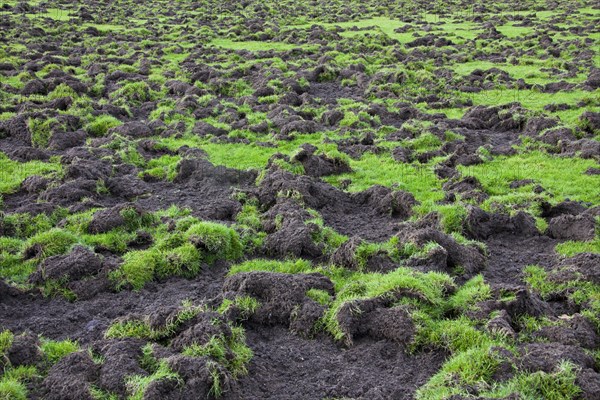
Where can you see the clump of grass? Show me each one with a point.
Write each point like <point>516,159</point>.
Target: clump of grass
<point>52,242</point>
<point>40,131</point>
<point>245,305</point>
<point>179,254</point>
<point>12,381</point>
<point>469,294</point>
<point>134,93</point>
<point>287,267</point>
<point>54,351</point>
<point>556,385</point>
<point>12,173</point>
<point>163,168</point>
<point>6,341</point>
<point>230,352</point>
<point>320,296</point>
<point>141,329</point>
<point>101,124</point>
<point>217,240</point>
<point>137,384</point>
<point>12,389</point>
<point>476,365</point>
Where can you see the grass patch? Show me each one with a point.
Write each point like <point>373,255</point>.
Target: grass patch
<point>12,173</point>
<point>563,177</point>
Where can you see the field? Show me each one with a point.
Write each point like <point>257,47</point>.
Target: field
<point>380,199</point>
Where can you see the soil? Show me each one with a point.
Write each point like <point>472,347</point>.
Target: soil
<point>259,124</point>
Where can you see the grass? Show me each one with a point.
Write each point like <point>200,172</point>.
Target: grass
<point>137,384</point>
<point>253,46</point>
<point>40,131</point>
<point>141,329</point>
<point>373,169</point>
<point>231,352</point>
<point>54,351</point>
<point>101,124</point>
<point>179,254</point>
<point>562,177</point>
<point>559,384</point>
<point>172,46</point>
<point>53,242</point>
<point>571,248</point>
<point>12,173</point>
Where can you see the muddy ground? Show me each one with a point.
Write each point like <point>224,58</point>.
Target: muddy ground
<point>299,200</point>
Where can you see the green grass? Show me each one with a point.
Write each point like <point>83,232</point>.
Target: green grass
<point>101,124</point>
<point>141,329</point>
<point>562,177</point>
<point>54,351</point>
<point>231,352</point>
<point>556,385</point>
<point>252,45</point>
<point>373,169</point>
<point>137,384</point>
<point>12,173</point>
<point>52,242</point>
<point>571,248</point>
<point>179,254</point>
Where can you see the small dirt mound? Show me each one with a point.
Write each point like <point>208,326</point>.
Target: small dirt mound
<point>373,318</point>
<point>24,350</point>
<point>572,227</point>
<point>121,359</point>
<point>78,264</point>
<point>469,258</point>
<point>71,378</point>
<point>282,297</point>
<point>288,231</point>
<point>111,218</point>
<point>480,224</point>
<point>547,356</point>
<point>203,328</point>
<point>320,165</point>
<point>574,331</point>
<point>198,378</point>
